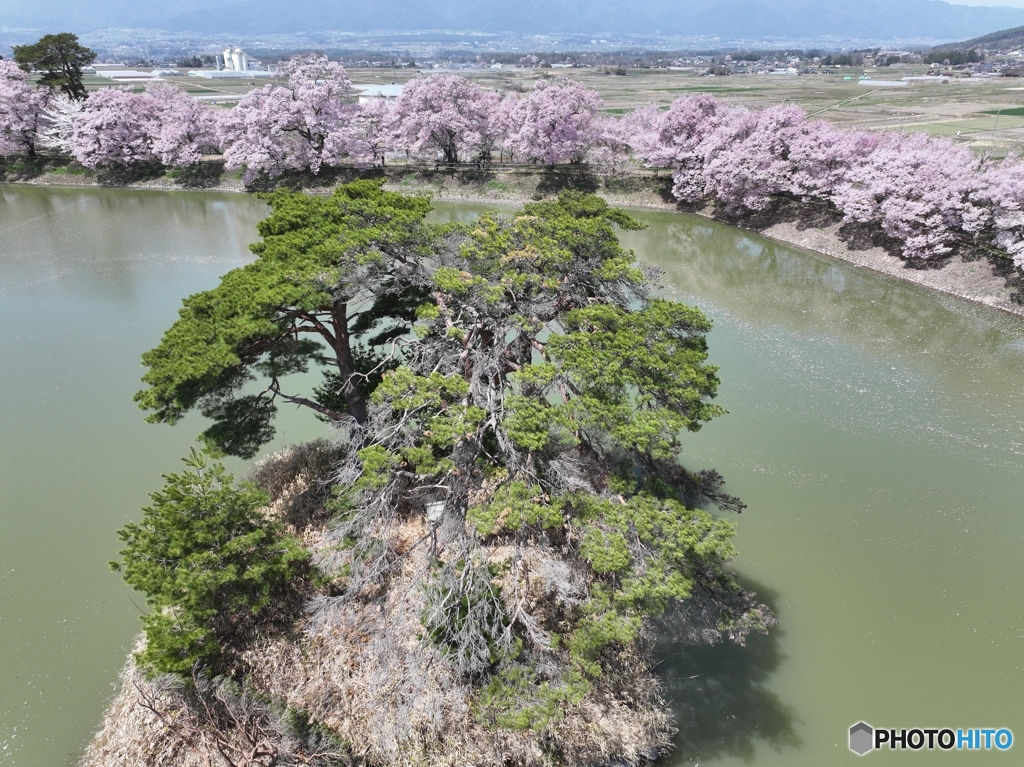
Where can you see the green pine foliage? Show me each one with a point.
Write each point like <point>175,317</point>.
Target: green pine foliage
<point>60,58</point>
<point>329,289</point>
<point>211,567</point>
<point>516,699</point>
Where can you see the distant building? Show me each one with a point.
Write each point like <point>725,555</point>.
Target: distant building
<point>126,75</point>
<point>369,93</point>
<point>237,60</point>
<point>234,64</point>
<point>227,74</point>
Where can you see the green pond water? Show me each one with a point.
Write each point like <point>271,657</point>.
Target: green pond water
<point>875,430</point>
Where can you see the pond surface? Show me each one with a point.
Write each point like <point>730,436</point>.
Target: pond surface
<point>875,431</point>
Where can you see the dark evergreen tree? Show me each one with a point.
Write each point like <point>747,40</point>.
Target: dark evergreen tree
<point>60,58</point>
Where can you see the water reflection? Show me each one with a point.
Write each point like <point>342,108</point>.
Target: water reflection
<point>92,243</point>
<point>720,699</point>
<point>759,282</point>
<point>89,279</point>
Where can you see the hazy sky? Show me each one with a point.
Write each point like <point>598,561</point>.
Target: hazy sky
<point>861,19</point>
<point>1008,3</point>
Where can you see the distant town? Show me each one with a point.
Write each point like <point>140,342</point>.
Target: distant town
<point>234,62</point>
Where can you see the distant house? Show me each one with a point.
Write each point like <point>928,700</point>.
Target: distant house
<point>882,83</point>
<point>368,93</point>
<point>228,74</point>
<point>126,75</point>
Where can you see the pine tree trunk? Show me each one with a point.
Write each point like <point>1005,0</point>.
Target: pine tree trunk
<point>346,365</point>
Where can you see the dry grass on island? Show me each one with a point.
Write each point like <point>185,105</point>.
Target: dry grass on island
<point>361,670</point>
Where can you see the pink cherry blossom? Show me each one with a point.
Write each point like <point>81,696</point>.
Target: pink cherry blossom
<point>555,123</point>
<point>1003,197</point>
<point>113,128</point>
<point>822,155</point>
<point>182,129</point>
<point>21,110</point>
<point>609,152</point>
<point>445,117</point>
<point>927,194</point>
<point>367,136</point>
<point>746,158</point>
<point>642,130</point>
<point>919,189</point>
<point>681,139</point>
<point>287,126</point>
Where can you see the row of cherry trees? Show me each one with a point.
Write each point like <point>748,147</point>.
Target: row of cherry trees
<point>926,193</point>
<point>307,120</point>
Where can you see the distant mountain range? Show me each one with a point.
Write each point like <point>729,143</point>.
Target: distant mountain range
<point>1004,39</point>
<point>726,19</point>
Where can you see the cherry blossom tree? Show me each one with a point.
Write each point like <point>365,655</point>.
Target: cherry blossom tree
<point>641,129</point>
<point>822,155</point>
<point>609,151</point>
<point>746,159</point>
<point>366,136</point>
<point>919,189</point>
<point>322,97</point>
<point>556,122</point>
<point>506,119</point>
<point>286,127</point>
<point>21,110</point>
<point>682,139</point>
<point>182,128</point>
<point>254,134</point>
<point>113,128</point>
<point>1002,195</point>
<point>445,117</point>
<point>926,193</point>
<point>59,120</point>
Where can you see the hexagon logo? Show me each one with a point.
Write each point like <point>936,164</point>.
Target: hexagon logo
<point>862,738</point>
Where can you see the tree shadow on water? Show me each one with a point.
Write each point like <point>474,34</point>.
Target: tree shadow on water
<point>720,700</point>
